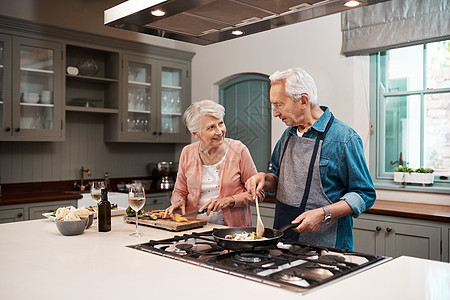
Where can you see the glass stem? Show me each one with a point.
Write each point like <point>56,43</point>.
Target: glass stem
<point>136,223</point>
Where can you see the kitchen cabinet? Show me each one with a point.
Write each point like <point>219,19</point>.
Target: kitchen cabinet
<point>91,79</point>
<point>30,79</point>
<point>267,211</point>
<point>154,97</point>
<point>157,200</point>
<point>397,236</point>
<point>31,211</point>
<point>11,215</point>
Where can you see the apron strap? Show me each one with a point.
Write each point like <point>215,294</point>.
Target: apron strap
<point>320,137</point>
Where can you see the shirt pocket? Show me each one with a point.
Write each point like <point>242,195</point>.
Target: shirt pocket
<point>323,166</point>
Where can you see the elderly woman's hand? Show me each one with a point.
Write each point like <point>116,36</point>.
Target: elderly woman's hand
<point>180,204</point>
<point>217,204</point>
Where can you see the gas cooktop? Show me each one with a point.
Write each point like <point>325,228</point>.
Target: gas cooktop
<point>289,265</point>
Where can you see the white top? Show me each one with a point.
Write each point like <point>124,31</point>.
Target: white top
<point>38,263</point>
<point>210,190</point>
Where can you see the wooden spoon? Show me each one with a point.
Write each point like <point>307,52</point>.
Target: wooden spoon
<point>259,222</point>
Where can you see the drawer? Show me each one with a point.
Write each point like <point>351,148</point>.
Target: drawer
<point>12,215</point>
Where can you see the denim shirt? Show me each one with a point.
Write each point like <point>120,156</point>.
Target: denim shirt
<point>343,170</point>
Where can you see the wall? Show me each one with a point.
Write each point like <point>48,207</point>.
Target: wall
<point>343,83</point>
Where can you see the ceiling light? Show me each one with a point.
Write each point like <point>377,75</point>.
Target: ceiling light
<point>158,13</point>
<point>237,32</point>
<point>352,3</point>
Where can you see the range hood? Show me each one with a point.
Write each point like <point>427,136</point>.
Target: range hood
<point>205,22</point>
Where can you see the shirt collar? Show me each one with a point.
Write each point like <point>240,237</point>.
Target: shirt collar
<point>319,125</point>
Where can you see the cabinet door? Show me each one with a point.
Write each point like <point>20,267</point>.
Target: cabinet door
<point>11,215</point>
<point>369,236</point>
<point>139,111</point>
<point>5,86</point>
<point>267,211</point>
<point>413,240</point>
<point>173,94</point>
<point>37,105</point>
<point>35,211</point>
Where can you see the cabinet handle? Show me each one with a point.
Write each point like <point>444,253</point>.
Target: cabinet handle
<point>378,228</point>
<point>154,132</point>
<point>17,129</point>
<point>19,215</point>
<point>154,201</point>
<point>388,229</point>
<point>8,129</point>
<point>159,133</point>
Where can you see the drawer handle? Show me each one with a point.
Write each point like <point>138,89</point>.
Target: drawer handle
<point>378,228</point>
<point>154,201</point>
<point>388,229</point>
<point>19,215</point>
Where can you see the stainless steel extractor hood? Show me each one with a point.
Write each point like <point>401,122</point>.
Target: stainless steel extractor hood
<point>206,22</point>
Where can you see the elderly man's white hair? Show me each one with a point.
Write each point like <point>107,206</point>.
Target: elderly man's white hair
<point>194,114</point>
<point>297,82</point>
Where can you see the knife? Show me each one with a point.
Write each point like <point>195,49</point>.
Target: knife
<point>195,213</point>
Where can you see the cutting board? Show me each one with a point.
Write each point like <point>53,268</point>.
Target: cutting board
<point>168,224</point>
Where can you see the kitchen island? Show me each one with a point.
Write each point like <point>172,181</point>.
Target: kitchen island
<point>37,262</point>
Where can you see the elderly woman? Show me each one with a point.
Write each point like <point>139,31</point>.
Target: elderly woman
<point>212,172</point>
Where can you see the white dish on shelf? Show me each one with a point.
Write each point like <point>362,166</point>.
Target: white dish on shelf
<point>30,97</point>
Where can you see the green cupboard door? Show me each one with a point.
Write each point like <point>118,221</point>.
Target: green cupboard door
<point>247,114</point>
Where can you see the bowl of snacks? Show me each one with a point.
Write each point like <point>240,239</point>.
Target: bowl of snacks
<point>71,220</point>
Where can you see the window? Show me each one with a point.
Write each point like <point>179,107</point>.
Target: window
<point>411,109</point>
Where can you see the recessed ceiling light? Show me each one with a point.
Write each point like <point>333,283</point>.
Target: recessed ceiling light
<point>352,3</point>
<point>237,32</point>
<point>158,13</point>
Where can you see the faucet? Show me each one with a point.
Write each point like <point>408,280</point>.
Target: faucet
<point>83,186</point>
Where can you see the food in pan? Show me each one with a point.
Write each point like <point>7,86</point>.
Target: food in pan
<point>244,236</point>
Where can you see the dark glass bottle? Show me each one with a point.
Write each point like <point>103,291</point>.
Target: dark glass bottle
<point>104,213</point>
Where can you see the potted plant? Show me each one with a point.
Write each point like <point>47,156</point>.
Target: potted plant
<point>408,175</point>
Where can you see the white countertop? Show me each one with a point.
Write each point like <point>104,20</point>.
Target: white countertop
<point>37,262</point>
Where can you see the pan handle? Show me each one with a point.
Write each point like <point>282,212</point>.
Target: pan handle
<point>286,227</point>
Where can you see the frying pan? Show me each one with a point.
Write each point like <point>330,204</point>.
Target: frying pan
<point>272,237</point>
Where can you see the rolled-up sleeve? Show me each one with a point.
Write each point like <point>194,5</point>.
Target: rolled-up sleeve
<point>361,193</point>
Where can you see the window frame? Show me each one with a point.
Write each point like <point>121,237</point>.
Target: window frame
<point>384,180</point>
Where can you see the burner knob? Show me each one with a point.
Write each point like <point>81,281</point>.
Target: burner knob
<point>388,229</point>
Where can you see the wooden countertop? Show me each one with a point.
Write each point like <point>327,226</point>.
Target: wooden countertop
<point>31,197</point>
<point>422,211</point>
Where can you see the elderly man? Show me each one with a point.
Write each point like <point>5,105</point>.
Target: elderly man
<point>318,170</point>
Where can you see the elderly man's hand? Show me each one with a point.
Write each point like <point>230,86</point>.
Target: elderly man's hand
<point>255,185</point>
<point>309,221</point>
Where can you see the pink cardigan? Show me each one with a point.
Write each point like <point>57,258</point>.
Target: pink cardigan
<point>233,171</point>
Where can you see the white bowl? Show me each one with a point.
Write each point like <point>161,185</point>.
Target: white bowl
<point>30,97</point>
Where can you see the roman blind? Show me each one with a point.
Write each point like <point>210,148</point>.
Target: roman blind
<point>395,23</point>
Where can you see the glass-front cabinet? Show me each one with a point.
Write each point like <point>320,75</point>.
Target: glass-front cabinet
<point>5,86</point>
<point>154,99</point>
<point>31,102</point>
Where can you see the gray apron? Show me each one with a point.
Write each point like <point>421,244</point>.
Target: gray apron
<point>300,188</point>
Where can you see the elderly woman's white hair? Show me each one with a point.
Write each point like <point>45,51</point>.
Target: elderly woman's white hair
<point>194,114</point>
<point>297,82</point>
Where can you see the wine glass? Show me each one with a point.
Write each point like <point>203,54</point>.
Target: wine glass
<point>136,200</point>
<point>96,190</point>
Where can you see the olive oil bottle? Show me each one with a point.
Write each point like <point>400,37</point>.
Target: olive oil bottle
<point>104,213</point>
